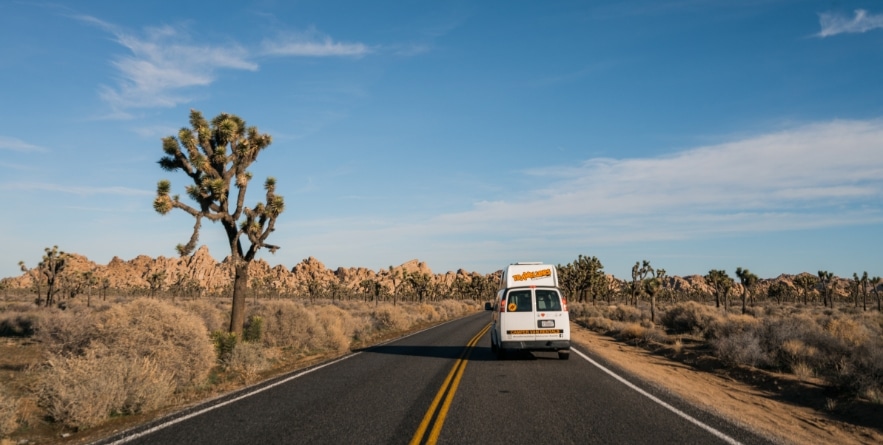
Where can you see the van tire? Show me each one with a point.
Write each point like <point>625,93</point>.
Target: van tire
<point>563,355</point>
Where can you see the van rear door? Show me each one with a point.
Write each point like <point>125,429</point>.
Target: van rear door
<point>551,320</point>
<point>519,320</point>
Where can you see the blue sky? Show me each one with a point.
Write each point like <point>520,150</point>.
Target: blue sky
<point>695,134</point>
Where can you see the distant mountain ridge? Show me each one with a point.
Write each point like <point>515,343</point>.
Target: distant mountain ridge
<point>202,271</point>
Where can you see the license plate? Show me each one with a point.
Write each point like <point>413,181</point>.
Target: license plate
<point>546,324</point>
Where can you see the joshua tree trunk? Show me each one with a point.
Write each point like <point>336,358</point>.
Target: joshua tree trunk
<point>240,284</point>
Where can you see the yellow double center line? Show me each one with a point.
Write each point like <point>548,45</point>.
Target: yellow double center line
<point>447,391</point>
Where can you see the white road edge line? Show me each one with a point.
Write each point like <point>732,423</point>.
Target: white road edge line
<point>260,390</point>
<point>686,416</point>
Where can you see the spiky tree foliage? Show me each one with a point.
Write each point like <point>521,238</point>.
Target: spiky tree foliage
<point>652,286</point>
<point>582,277</point>
<point>875,284</point>
<point>49,268</point>
<point>825,279</point>
<point>722,283</point>
<point>640,272</point>
<point>806,282</point>
<point>748,280</point>
<point>421,285</point>
<point>861,286</point>
<point>216,156</point>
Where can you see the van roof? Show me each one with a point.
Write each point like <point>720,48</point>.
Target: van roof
<point>525,274</point>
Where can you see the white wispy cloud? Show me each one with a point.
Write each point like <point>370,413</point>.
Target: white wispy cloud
<point>834,23</point>
<point>73,189</point>
<point>163,64</point>
<point>816,176</point>
<point>15,144</point>
<point>311,43</point>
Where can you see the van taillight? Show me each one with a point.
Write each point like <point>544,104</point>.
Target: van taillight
<point>502,305</point>
<point>564,303</point>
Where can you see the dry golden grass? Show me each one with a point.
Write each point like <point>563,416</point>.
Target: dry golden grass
<point>9,415</point>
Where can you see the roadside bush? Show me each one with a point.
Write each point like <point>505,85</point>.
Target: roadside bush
<point>598,324</point>
<point>213,317</point>
<point>253,329</point>
<point>83,391</point>
<point>390,318</point>
<point>335,329</point>
<point>739,347</point>
<point>287,324</point>
<point>730,325</point>
<point>626,314</point>
<point>688,317</point>
<point>176,340</point>
<point>428,312</point>
<point>638,332</point>
<point>248,360</point>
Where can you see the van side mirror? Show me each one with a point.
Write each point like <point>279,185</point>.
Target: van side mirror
<point>488,306</point>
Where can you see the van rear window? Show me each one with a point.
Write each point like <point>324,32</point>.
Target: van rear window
<point>519,301</point>
<point>547,300</point>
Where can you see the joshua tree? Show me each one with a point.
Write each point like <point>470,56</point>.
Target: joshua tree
<point>50,268</point>
<point>875,283</point>
<point>722,283</point>
<point>825,278</point>
<point>805,282</point>
<point>748,280</point>
<point>216,156</point>
<point>861,287</point>
<point>652,286</point>
<point>639,273</point>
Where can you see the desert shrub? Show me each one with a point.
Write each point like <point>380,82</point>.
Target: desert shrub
<point>213,317</point>
<point>739,348</point>
<point>721,327</point>
<point>853,333</point>
<point>18,324</point>
<point>428,312</point>
<point>688,317</point>
<point>66,332</point>
<point>448,309</point>
<point>253,329</point>
<point>782,337</point>
<point>638,332</point>
<point>626,314</point>
<point>598,324</point>
<point>248,360</point>
<point>83,391</point>
<point>390,318</point>
<point>176,341</point>
<point>794,353</point>
<point>585,310</point>
<point>287,324</point>
<point>8,413</point>
<point>335,329</point>
<point>224,343</point>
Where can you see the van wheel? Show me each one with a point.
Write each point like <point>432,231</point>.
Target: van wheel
<point>563,355</point>
<point>501,353</point>
<point>493,347</point>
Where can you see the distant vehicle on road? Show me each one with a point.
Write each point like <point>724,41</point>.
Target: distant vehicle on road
<point>529,312</point>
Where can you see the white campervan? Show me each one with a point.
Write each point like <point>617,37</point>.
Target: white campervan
<point>529,312</point>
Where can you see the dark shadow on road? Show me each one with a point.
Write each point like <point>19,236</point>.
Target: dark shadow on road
<point>479,353</point>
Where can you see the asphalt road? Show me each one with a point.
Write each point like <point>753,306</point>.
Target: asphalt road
<point>445,384</point>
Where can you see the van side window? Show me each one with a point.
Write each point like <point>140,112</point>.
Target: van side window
<point>547,300</point>
<point>519,301</point>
